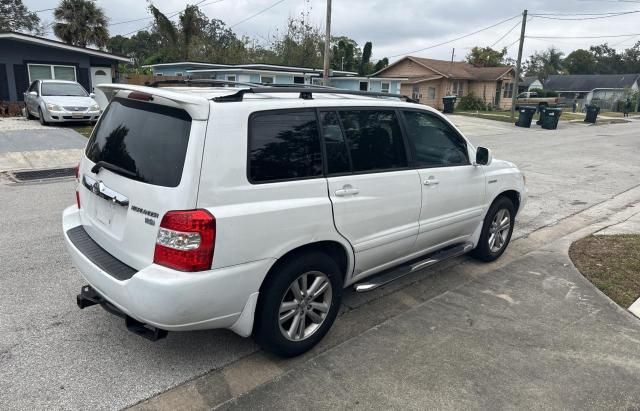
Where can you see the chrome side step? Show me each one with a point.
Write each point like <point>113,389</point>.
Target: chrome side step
<point>389,276</point>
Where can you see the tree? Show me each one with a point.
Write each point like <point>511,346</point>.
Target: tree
<point>580,62</point>
<point>381,64</point>
<point>486,57</point>
<point>343,56</point>
<point>631,59</point>
<point>608,61</point>
<point>81,23</point>
<point>14,16</point>
<point>545,63</point>
<point>365,59</point>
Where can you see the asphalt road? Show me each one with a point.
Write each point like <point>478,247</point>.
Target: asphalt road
<point>54,356</point>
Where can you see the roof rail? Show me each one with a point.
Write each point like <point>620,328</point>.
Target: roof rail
<point>200,82</point>
<point>296,85</point>
<point>306,93</point>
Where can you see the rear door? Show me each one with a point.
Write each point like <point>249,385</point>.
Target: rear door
<point>453,189</point>
<point>142,160</point>
<point>375,196</point>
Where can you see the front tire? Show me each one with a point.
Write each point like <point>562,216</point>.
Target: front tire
<point>496,230</point>
<point>298,304</point>
<point>42,120</point>
<point>28,114</point>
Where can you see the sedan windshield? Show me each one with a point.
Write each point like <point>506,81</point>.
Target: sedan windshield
<point>63,89</point>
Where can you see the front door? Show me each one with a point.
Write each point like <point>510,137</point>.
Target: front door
<point>375,196</point>
<point>452,188</point>
<point>498,93</point>
<point>100,75</point>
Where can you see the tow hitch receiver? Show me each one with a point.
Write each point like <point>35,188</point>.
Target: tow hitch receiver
<point>89,296</point>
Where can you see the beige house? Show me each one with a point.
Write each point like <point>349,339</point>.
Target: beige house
<point>429,80</point>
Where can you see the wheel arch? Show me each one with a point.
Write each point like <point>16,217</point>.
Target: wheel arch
<point>340,253</point>
<point>512,195</point>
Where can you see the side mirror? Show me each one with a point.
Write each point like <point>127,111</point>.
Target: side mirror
<point>33,93</point>
<point>483,156</point>
<point>92,95</point>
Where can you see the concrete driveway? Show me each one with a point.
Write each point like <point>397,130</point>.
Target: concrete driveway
<point>53,355</point>
<point>25,144</point>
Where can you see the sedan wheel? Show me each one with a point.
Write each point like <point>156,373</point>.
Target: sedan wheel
<point>305,305</point>
<point>42,120</point>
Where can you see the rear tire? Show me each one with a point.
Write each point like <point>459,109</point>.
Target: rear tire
<point>496,235</point>
<point>293,314</point>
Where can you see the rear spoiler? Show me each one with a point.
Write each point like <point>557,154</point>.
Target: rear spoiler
<point>197,107</point>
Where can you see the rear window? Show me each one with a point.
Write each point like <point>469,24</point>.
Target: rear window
<point>284,146</point>
<point>145,139</point>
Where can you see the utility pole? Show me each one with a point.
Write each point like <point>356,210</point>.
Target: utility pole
<point>518,66</point>
<point>327,46</point>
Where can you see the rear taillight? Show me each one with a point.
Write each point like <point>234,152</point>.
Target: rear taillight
<point>186,240</point>
<point>77,198</point>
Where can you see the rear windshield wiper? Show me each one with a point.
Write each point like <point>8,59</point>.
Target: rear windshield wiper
<point>112,167</point>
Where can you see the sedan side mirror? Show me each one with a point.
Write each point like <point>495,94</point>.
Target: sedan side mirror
<point>33,93</point>
<point>483,156</point>
<point>92,95</point>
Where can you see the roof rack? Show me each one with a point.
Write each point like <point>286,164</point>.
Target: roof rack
<point>200,82</point>
<point>306,93</point>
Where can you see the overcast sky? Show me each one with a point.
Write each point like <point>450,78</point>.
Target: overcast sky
<point>404,26</point>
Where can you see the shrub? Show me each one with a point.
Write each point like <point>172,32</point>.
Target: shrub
<point>471,103</point>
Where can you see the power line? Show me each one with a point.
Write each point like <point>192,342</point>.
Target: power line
<point>586,18</point>
<point>458,38</point>
<point>258,13</point>
<point>505,34</point>
<point>584,37</point>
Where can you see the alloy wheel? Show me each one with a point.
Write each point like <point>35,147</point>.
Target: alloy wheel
<point>499,230</point>
<point>305,305</point>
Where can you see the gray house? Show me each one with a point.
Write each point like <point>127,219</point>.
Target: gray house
<point>25,58</point>
<point>605,89</point>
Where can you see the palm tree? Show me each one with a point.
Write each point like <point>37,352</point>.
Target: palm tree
<point>81,23</point>
<point>179,38</point>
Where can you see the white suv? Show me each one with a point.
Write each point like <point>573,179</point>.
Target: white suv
<point>251,208</point>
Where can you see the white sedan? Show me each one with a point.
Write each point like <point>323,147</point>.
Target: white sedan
<point>55,101</point>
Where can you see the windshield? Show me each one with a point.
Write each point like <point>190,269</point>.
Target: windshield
<point>147,142</point>
<point>63,89</point>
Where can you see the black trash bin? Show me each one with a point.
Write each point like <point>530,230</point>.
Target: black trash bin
<point>592,113</point>
<point>449,103</point>
<point>549,118</point>
<point>526,116</point>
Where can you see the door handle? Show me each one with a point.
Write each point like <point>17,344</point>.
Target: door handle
<point>431,181</point>
<point>347,190</point>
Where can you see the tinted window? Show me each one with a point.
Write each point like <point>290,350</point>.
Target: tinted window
<point>336,147</point>
<point>374,139</point>
<point>148,140</point>
<point>435,143</point>
<point>284,145</point>
<point>63,89</point>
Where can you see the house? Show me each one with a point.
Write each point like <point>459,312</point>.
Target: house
<point>25,58</point>
<point>529,83</point>
<point>605,89</point>
<point>276,74</point>
<point>429,80</point>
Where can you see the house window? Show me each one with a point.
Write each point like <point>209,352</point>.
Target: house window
<point>508,90</point>
<point>458,88</point>
<point>51,72</point>
<point>364,86</point>
<point>231,77</point>
<point>415,93</point>
<point>178,74</point>
<point>159,74</point>
<point>385,87</point>
<point>267,79</point>
<point>431,93</point>
<point>298,80</point>
<point>100,73</point>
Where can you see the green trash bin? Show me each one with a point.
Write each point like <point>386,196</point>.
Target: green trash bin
<point>449,103</point>
<point>592,113</point>
<point>526,116</point>
<point>550,117</point>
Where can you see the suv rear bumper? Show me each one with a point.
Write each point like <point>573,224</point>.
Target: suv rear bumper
<point>175,300</point>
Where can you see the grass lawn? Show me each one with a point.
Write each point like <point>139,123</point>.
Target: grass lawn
<point>611,263</point>
<point>506,116</point>
<point>83,128</point>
